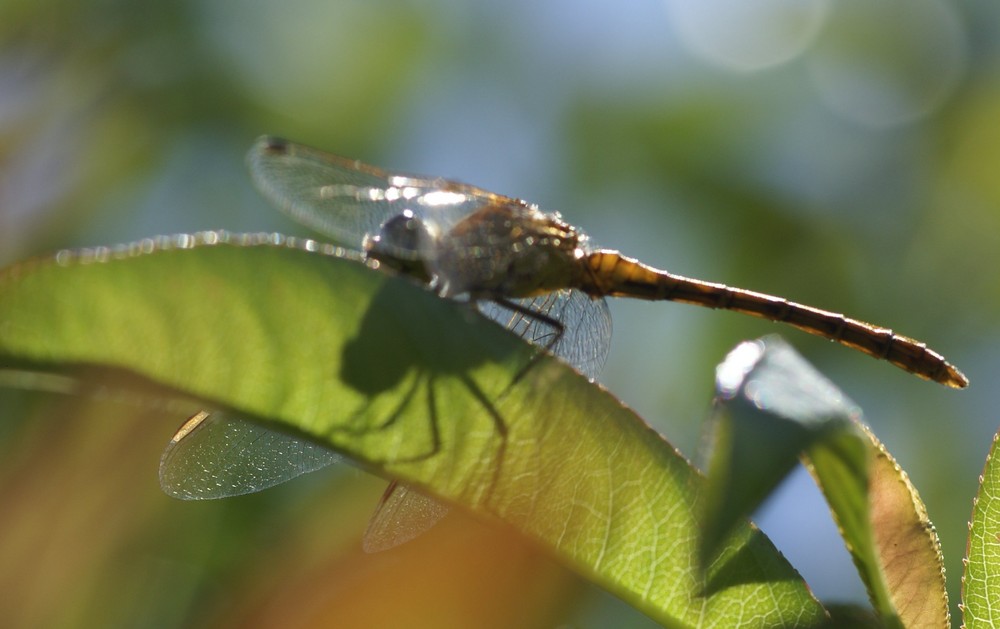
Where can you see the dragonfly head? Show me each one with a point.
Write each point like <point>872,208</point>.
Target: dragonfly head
<point>402,244</point>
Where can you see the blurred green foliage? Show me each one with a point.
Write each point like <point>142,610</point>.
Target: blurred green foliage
<point>858,175</point>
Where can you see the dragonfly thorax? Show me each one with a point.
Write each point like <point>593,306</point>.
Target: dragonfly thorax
<point>509,250</point>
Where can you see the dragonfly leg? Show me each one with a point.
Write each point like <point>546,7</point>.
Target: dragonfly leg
<point>558,331</point>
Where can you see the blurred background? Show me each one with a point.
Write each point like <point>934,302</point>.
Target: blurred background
<point>843,155</point>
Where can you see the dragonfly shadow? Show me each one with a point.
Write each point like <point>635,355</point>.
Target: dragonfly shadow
<point>407,352</point>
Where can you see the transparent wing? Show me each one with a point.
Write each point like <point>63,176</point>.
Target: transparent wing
<point>347,200</point>
<point>586,334</point>
<point>217,455</point>
<point>401,515</point>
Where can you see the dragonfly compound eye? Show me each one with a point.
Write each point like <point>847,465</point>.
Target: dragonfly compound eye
<point>401,243</point>
<point>403,234</point>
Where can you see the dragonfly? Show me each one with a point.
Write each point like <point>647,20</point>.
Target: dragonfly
<point>525,268</point>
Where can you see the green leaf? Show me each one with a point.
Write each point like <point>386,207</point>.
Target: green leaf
<point>412,387</point>
<point>981,581</point>
<point>774,408</point>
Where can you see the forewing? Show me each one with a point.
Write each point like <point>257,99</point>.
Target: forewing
<point>217,455</point>
<point>347,200</point>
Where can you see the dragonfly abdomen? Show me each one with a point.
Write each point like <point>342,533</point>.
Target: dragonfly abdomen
<point>610,273</point>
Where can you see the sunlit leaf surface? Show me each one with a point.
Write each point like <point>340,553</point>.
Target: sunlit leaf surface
<point>981,581</point>
<point>410,386</point>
